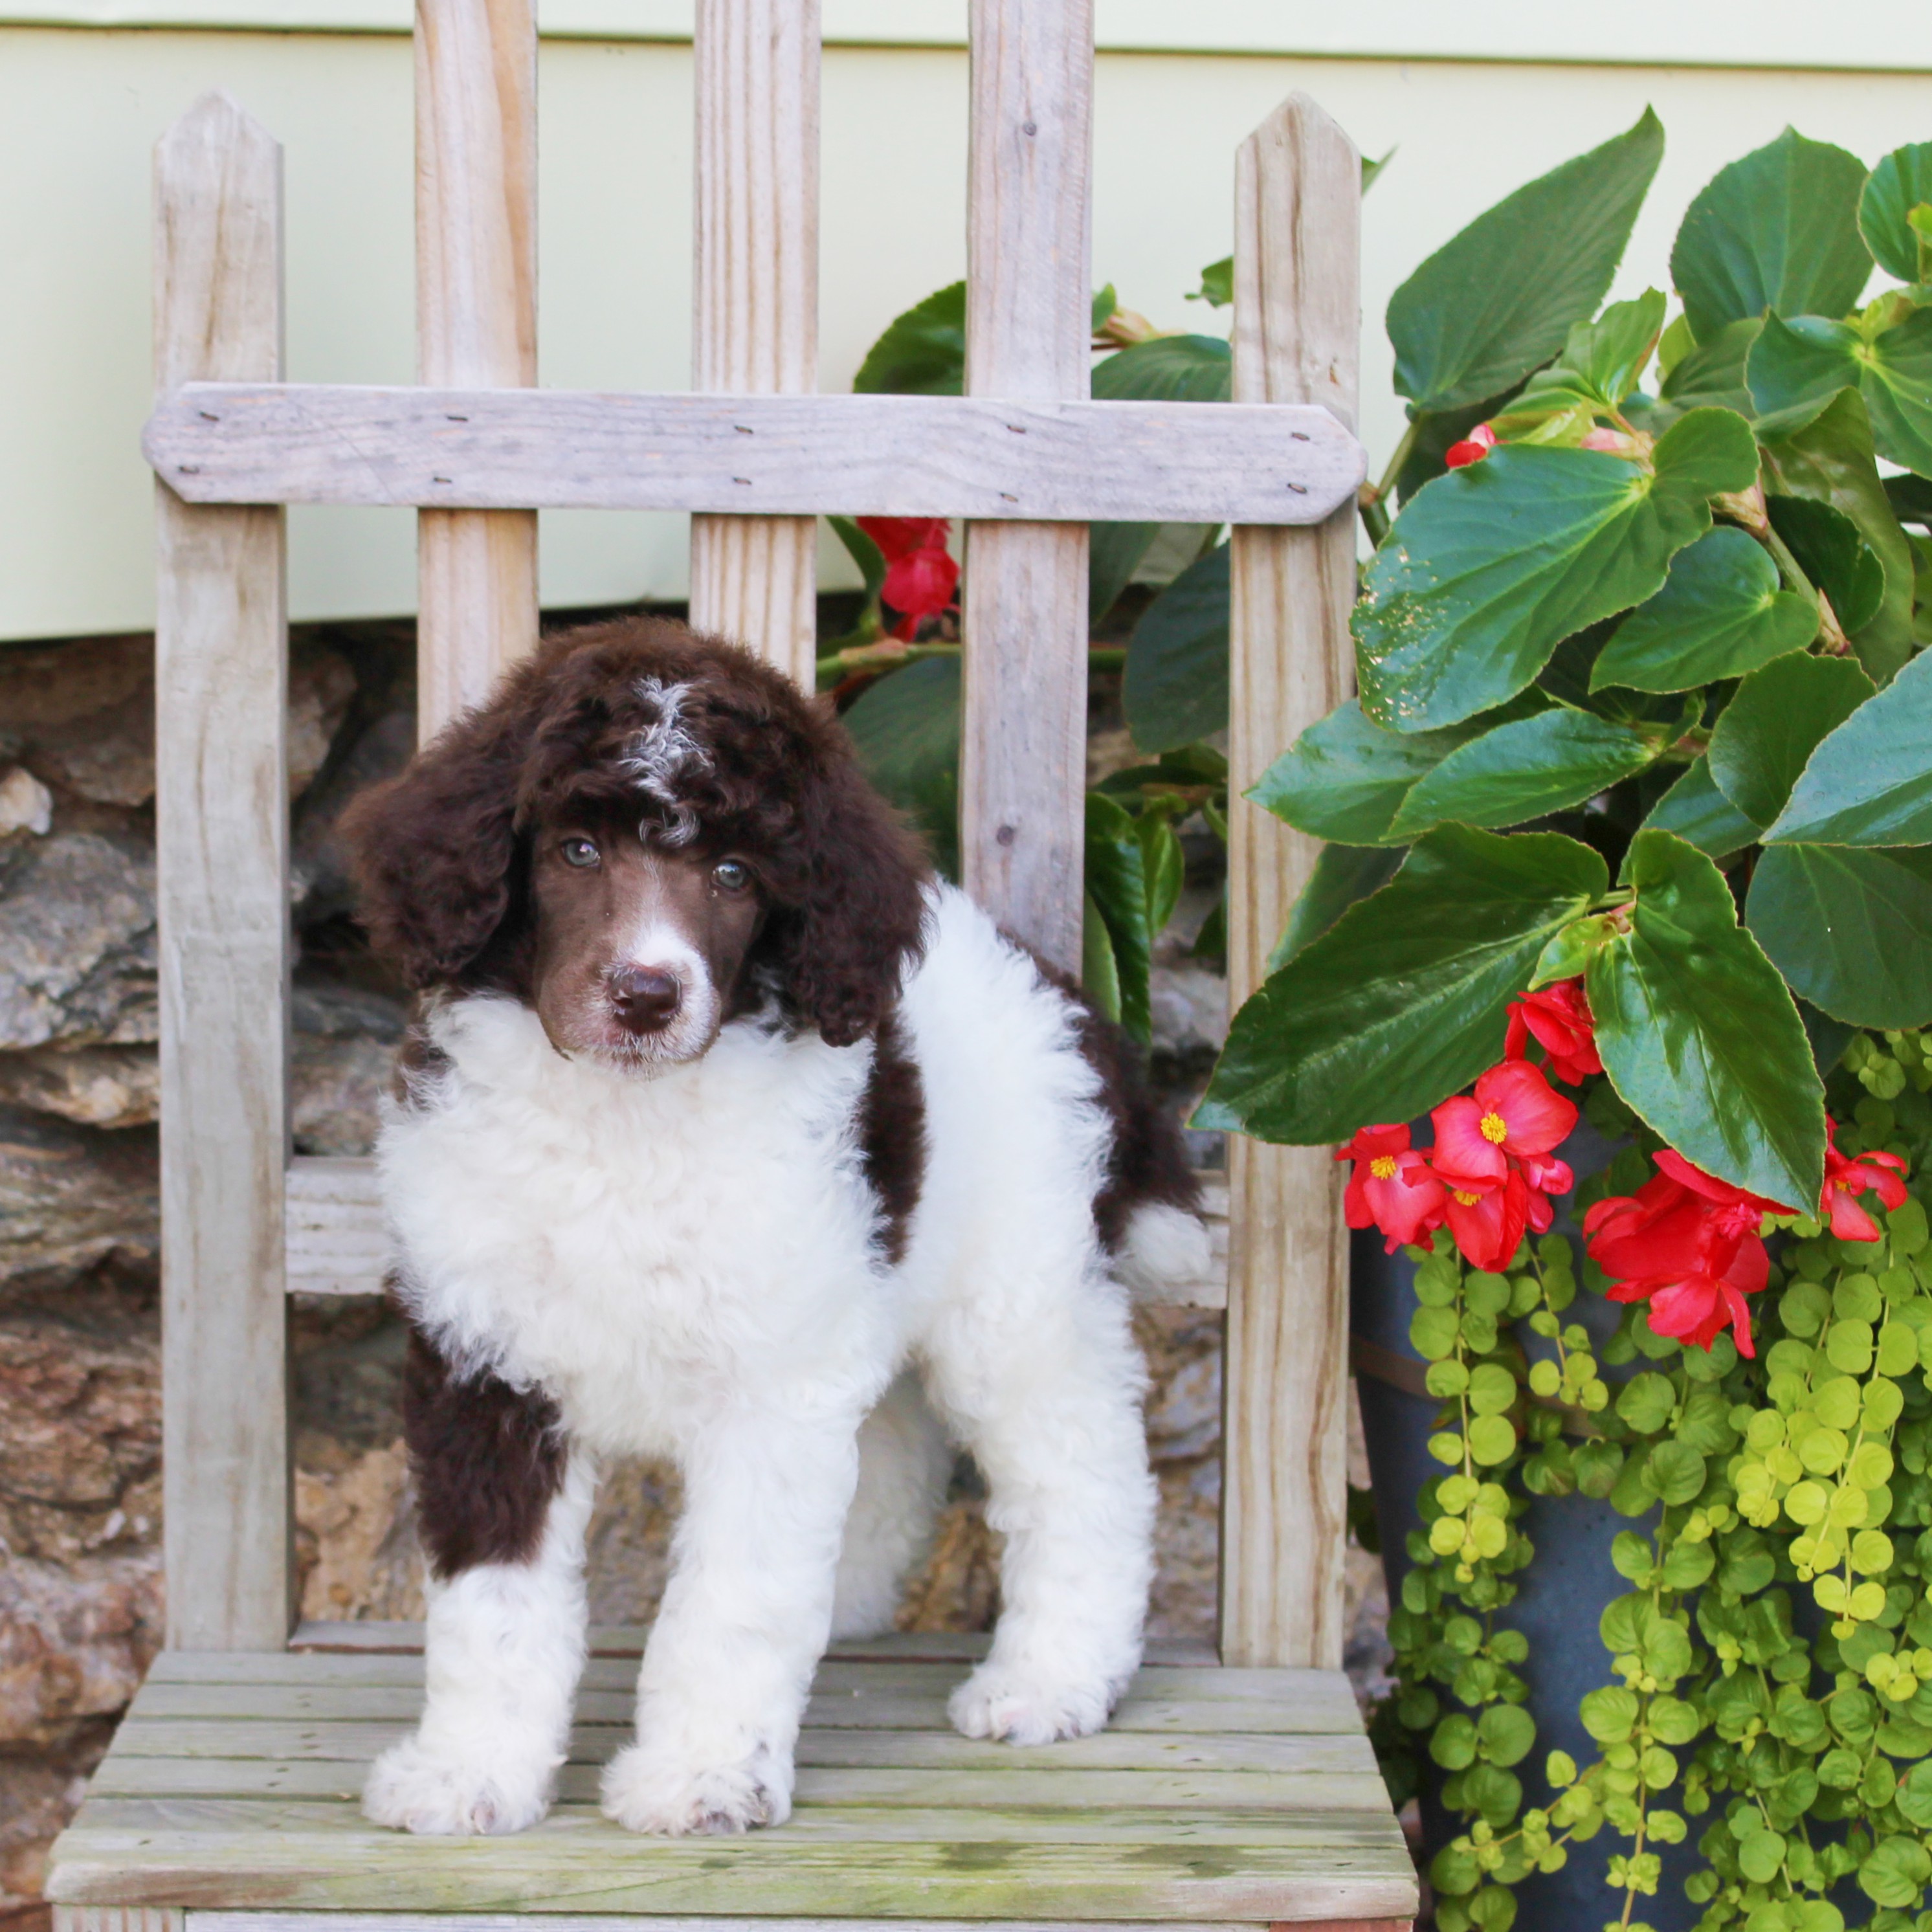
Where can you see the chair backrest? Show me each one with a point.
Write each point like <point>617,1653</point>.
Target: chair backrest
<point>1024,456</point>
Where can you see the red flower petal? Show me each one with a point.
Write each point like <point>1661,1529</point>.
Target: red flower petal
<point>1463,1154</point>
<point>1488,1227</point>
<point>921,583</point>
<point>899,536</point>
<point>1535,1117</point>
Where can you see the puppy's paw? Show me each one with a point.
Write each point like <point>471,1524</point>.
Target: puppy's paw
<point>415,1789</point>
<point>647,1788</point>
<point>1020,1706</point>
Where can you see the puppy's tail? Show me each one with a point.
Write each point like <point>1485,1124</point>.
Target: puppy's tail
<point>1163,1249</point>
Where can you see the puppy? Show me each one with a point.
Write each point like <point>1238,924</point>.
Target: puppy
<point>727,1134</point>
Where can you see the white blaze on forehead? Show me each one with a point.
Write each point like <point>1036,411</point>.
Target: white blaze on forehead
<point>662,752</point>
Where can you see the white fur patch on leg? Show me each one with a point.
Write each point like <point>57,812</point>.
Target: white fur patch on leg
<point>903,1462</point>
<point>1164,1248</point>
<point>504,1645</point>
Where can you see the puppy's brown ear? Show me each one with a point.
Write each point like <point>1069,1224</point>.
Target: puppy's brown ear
<point>432,851</point>
<point>845,948</point>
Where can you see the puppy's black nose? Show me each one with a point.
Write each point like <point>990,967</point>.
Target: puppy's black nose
<point>645,998</point>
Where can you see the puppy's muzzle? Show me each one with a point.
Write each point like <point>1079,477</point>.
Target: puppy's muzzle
<point>645,999</point>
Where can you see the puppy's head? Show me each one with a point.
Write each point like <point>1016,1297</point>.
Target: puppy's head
<point>643,834</point>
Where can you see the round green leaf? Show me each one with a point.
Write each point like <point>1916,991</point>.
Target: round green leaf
<point>1344,778</point>
<point>1491,1389</point>
<point>1777,719</point>
<point>1499,299</point>
<point>1676,1472</point>
<point>1697,811</point>
<point>1776,230</point>
<point>1523,770</point>
<point>1851,930</point>
<point>1453,1745</point>
<point>1869,782</point>
<point>1404,999</point>
<point>1894,1872</point>
<point>1175,689</point>
<point>1506,1733</point>
<point>1698,1033</point>
<point>1899,183</point>
<point>1492,1440</point>
<point>1609,1713</point>
<point>1432,1332</point>
<point>1490,568</point>
<point>1914,1796</point>
<point>1720,614</point>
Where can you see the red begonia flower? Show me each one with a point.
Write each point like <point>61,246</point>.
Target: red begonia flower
<point>1845,1178</point>
<point>1488,1224</point>
<point>899,536</point>
<point>1693,1306</point>
<point>1514,1118</point>
<point>919,584</point>
<point>1390,1187</point>
<point>1472,449</point>
<point>1558,1019</point>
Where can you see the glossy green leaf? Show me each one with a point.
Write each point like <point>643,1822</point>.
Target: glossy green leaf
<point>1099,971</point>
<point>1773,724</point>
<point>1163,869</point>
<point>1167,369</point>
<point>1113,553</point>
<point>1116,883</point>
<point>1490,567</point>
<point>1869,783</point>
<point>1712,375</point>
<point>922,352</point>
<point>1778,230</point>
<point>1721,613</point>
<point>1899,183</point>
<point>906,729</point>
<point>1830,461</point>
<point>1343,875</point>
<point>1851,930</point>
<point>1610,354</point>
<point>1498,300</point>
<point>1217,282</point>
<point>1697,811</point>
<point>1404,999</point>
<point>1698,1034</point>
<point>1176,686</point>
<point>1833,555</point>
<point>1524,770</point>
<point>1797,367</point>
<point>1344,778</point>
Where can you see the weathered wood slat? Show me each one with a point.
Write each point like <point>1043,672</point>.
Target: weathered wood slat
<point>1296,326</point>
<point>222,838</point>
<point>476,326</point>
<point>804,455</point>
<point>577,1861</point>
<point>755,294</point>
<point>337,1243</point>
<point>1023,735</point>
<point>484,1921</point>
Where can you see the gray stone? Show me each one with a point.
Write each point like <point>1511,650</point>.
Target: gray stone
<point>76,943</point>
<point>72,1197</point>
<point>96,1086</point>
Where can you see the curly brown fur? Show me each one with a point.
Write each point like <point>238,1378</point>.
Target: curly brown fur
<point>892,1136</point>
<point>487,1460</point>
<point>441,854</point>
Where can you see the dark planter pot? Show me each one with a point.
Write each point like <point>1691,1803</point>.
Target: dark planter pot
<point>1560,1596</point>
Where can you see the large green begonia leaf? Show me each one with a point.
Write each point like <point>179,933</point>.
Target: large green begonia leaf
<point>1869,782</point>
<point>1777,230</point>
<point>906,729</point>
<point>1343,875</point>
<point>1524,770</point>
<point>1405,998</point>
<point>921,352</point>
<point>1899,183</point>
<point>1712,375</point>
<point>1830,461</point>
<point>1490,567</point>
<point>1175,689</point>
<point>1498,300</point>
<point>1774,723</point>
<point>1851,930</point>
<point>1721,613</point>
<point>1167,369</point>
<point>1797,367</point>
<point>1833,555</point>
<point>1701,815</point>
<point>1698,1034</point>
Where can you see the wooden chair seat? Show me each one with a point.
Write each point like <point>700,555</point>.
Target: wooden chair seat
<point>1216,1796</point>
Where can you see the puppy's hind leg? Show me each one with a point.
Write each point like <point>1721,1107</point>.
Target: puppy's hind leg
<point>1050,1406</point>
<point>905,1460</point>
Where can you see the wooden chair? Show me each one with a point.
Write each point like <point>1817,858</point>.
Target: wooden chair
<point>1231,1788</point>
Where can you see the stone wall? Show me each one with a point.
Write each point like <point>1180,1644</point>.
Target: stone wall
<point>80,1592</point>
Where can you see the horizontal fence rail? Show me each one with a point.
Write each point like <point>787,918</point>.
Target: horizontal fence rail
<point>906,456</point>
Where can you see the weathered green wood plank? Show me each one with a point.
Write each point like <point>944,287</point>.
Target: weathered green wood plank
<point>358,1742</point>
<point>576,1862</point>
<point>1326,1789</point>
<point>857,1707</point>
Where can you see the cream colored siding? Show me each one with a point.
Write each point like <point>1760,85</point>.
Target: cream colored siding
<point>81,106</point>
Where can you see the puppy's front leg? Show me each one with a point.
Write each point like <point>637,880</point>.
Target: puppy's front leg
<point>502,1505</point>
<point>744,1620</point>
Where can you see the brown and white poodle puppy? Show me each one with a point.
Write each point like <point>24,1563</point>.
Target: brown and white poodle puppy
<point>728,1135</point>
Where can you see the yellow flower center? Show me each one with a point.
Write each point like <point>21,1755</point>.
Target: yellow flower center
<point>1496,1128</point>
<point>1467,1200</point>
<point>1383,1167</point>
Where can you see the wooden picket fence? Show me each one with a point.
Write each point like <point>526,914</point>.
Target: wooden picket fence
<point>1025,457</point>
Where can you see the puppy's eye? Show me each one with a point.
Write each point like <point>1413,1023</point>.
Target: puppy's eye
<point>730,876</point>
<point>578,852</point>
